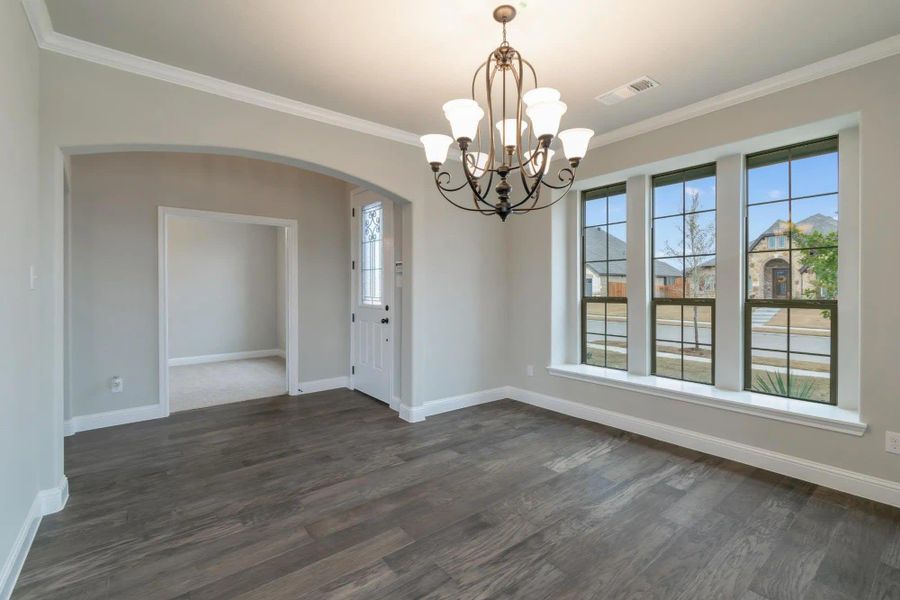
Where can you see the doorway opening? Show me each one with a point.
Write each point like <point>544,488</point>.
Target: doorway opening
<point>227,330</point>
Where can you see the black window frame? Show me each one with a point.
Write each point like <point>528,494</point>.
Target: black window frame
<point>688,174</point>
<point>830,305</point>
<point>586,196</point>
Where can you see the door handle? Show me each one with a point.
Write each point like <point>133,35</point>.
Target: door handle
<point>385,321</point>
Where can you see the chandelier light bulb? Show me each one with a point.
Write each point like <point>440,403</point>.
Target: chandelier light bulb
<point>541,94</point>
<point>464,115</point>
<point>545,117</point>
<point>436,147</point>
<point>531,168</point>
<point>507,129</point>
<point>477,163</point>
<point>575,142</point>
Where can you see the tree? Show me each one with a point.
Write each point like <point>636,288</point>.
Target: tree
<point>699,239</point>
<point>821,260</point>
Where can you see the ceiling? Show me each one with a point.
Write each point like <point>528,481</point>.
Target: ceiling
<point>396,61</point>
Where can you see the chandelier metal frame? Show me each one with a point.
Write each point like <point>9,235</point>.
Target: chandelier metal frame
<point>489,157</point>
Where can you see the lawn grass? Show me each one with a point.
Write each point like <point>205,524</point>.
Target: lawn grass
<point>804,365</point>
<point>701,372</point>
<point>810,318</point>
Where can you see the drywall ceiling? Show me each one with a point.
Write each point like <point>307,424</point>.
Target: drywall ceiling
<point>395,62</point>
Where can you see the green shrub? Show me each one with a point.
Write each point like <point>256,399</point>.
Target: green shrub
<point>777,384</point>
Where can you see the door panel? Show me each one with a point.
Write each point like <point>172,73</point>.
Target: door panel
<point>780,281</point>
<point>373,285</point>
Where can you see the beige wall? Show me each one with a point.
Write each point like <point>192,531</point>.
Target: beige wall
<point>222,287</point>
<point>25,417</point>
<point>873,92</point>
<point>465,301</point>
<point>114,261</point>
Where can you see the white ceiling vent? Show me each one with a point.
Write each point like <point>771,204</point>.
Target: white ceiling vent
<point>632,88</point>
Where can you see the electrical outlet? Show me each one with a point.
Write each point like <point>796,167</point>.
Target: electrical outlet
<point>892,442</point>
<point>116,384</point>
<point>529,370</point>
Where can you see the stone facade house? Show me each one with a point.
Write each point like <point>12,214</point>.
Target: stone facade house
<point>769,270</point>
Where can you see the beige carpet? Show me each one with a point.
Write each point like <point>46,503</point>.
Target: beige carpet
<point>197,386</point>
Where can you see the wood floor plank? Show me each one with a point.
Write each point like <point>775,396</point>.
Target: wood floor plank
<point>851,562</point>
<point>795,561</point>
<point>330,495</point>
<point>329,568</point>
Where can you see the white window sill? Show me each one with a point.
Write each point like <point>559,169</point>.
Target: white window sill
<point>811,414</point>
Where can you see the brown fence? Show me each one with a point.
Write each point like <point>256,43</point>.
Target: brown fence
<point>675,290</point>
<point>618,289</point>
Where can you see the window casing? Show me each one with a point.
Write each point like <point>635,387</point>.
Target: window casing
<point>683,274</point>
<point>604,303</point>
<point>790,311</point>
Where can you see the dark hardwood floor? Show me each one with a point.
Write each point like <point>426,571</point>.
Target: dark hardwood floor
<point>330,495</point>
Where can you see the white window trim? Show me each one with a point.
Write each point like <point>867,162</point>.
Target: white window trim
<point>799,412</point>
<point>728,392</point>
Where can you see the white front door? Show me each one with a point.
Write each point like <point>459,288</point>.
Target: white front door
<point>373,290</point>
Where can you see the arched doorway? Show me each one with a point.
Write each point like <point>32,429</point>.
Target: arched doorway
<point>85,421</point>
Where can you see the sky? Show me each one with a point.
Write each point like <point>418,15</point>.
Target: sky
<point>769,187</point>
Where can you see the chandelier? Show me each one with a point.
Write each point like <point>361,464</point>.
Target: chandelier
<point>487,156</point>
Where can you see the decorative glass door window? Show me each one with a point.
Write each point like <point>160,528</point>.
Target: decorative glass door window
<point>371,269</point>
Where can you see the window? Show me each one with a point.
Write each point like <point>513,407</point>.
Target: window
<point>684,274</point>
<point>604,314</point>
<point>791,306</point>
<point>371,271</point>
<point>777,241</point>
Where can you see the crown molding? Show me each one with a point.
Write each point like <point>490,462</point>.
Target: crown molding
<point>48,39</point>
<point>817,70</point>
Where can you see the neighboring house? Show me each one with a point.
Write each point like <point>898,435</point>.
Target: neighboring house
<point>595,248</point>
<point>769,273</point>
<point>768,264</point>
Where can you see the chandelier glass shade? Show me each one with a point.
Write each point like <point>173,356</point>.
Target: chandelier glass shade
<point>514,142</point>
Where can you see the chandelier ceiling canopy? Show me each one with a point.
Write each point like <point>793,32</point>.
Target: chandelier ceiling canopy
<point>505,89</point>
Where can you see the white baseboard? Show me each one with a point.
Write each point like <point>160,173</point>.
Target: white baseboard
<point>12,566</point>
<point>213,358</point>
<point>415,414</point>
<point>45,502</point>
<point>321,385</point>
<point>54,499</point>
<point>156,411</point>
<point>409,413</point>
<point>851,482</point>
<point>113,417</point>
